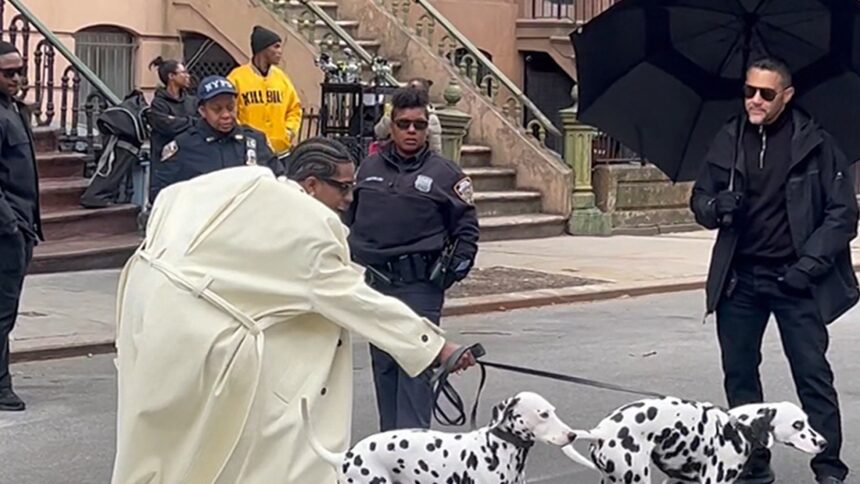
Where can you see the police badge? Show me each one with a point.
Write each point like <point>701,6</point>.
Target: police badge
<point>464,190</point>
<point>423,183</point>
<point>251,151</point>
<point>169,150</point>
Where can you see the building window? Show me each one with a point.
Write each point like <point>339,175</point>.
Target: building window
<point>110,53</point>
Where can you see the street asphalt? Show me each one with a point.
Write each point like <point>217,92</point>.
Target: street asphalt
<point>657,343</point>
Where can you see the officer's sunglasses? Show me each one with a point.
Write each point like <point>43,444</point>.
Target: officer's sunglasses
<point>10,73</point>
<point>404,124</point>
<point>344,187</point>
<point>767,93</point>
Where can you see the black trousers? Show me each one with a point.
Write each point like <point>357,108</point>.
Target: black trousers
<point>404,402</point>
<point>742,316</point>
<point>16,250</point>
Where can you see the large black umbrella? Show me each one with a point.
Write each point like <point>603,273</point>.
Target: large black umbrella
<point>662,76</point>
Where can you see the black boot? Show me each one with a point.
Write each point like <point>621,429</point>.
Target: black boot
<point>9,402</point>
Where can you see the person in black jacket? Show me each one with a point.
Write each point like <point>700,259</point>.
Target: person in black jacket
<point>173,110</point>
<point>785,225</point>
<point>216,142</point>
<point>414,227</point>
<point>20,223</point>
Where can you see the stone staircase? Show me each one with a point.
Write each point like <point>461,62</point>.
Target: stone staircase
<point>505,212</point>
<point>76,238</point>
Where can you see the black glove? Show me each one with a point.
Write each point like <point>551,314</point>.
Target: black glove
<point>794,281</point>
<point>727,203</point>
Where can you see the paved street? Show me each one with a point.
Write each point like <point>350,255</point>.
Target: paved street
<point>656,343</point>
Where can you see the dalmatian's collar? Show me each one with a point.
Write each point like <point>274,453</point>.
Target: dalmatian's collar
<point>512,439</point>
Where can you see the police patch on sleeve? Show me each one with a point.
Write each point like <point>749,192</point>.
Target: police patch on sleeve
<point>169,150</point>
<point>464,190</point>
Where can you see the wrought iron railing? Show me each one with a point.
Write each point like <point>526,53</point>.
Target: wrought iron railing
<point>580,11</point>
<point>46,57</point>
<point>310,125</point>
<point>472,65</point>
<point>607,150</point>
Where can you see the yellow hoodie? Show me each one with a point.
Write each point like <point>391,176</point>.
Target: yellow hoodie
<point>268,103</point>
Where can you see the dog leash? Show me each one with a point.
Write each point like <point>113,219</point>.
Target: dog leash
<point>442,387</point>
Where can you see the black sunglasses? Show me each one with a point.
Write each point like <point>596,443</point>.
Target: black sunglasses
<point>767,93</point>
<point>10,73</point>
<point>344,187</point>
<point>419,124</point>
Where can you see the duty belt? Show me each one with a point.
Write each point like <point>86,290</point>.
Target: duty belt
<point>404,269</point>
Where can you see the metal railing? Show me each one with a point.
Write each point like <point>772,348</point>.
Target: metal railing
<point>39,88</point>
<point>580,11</point>
<point>607,150</point>
<point>472,65</point>
<point>330,43</point>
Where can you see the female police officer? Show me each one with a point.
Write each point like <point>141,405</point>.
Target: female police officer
<point>215,143</point>
<point>413,225</point>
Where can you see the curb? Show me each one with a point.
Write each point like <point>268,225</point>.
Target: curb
<point>73,350</point>
<point>581,294</point>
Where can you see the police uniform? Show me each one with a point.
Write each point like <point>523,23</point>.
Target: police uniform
<point>408,216</point>
<point>203,149</point>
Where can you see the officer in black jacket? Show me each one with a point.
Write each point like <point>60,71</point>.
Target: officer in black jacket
<point>413,226</point>
<point>20,224</point>
<point>216,142</point>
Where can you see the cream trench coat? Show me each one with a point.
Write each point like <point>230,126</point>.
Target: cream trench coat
<point>240,301</point>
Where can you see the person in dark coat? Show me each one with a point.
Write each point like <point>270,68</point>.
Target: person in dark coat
<point>216,142</point>
<point>413,225</point>
<point>20,223</point>
<point>785,225</point>
<point>173,109</point>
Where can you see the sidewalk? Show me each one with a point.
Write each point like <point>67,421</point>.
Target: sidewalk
<point>73,313</point>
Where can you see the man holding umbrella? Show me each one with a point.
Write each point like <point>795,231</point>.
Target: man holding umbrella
<point>783,198</point>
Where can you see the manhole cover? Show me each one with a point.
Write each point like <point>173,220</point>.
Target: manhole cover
<point>499,280</point>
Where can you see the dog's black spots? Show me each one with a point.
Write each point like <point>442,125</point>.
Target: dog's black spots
<point>378,480</point>
<point>391,447</point>
<point>694,444</point>
<point>358,461</point>
<point>701,428</point>
<point>651,413</point>
<point>611,443</point>
<point>458,437</point>
<point>628,477</point>
<point>617,418</point>
<point>609,467</point>
<point>430,447</point>
<point>445,453</point>
<point>472,461</point>
<point>373,446</point>
<point>628,458</point>
<point>346,467</point>
<point>423,465</point>
<point>395,470</point>
<point>631,405</point>
<point>349,455</point>
<point>640,418</point>
<point>365,472</point>
<point>731,475</point>
<point>404,444</point>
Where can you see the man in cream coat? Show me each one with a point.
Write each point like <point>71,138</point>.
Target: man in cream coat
<point>241,300</point>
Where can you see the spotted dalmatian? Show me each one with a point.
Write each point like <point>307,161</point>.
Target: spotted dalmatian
<point>690,442</point>
<point>493,454</point>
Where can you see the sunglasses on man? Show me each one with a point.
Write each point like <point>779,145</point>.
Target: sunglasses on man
<point>10,73</point>
<point>344,187</point>
<point>767,93</point>
<point>404,124</point>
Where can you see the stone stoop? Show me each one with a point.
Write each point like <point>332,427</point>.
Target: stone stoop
<point>642,200</point>
<point>505,212</point>
<point>76,238</point>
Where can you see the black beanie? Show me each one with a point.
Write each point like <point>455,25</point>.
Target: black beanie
<point>262,38</point>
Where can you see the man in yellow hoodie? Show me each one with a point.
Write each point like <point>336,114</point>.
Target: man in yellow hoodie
<point>267,99</point>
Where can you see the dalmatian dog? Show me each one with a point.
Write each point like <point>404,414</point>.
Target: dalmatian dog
<point>493,454</point>
<point>690,442</point>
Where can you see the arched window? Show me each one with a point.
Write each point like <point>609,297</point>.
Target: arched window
<point>205,57</point>
<point>110,52</point>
